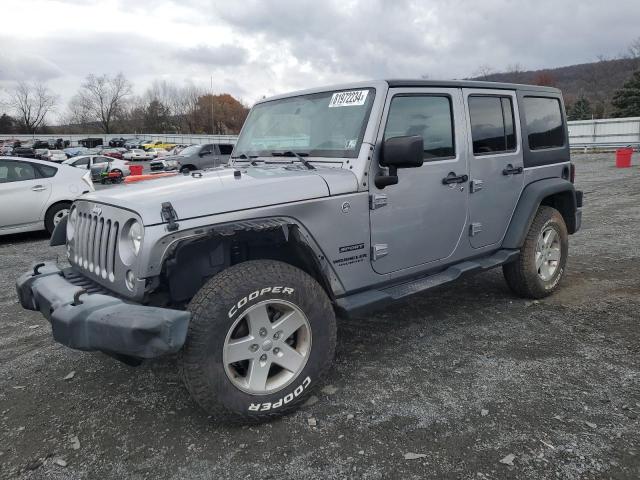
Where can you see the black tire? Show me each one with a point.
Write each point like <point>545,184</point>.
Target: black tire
<point>51,214</point>
<point>187,169</point>
<point>522,275</point>
<point>215,309</point>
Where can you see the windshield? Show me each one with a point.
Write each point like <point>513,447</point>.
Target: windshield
<point>192,150</point>
<point>328,124</point>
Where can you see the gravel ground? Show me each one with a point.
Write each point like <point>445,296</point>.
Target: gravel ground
<point>444,385</point>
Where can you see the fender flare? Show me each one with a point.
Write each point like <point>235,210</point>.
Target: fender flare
<point>290,227</point>
<point>528,204</point>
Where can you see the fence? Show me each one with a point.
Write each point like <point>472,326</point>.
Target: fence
<point>186,139</point>
<point>583,134</point>
<point>605,133</point>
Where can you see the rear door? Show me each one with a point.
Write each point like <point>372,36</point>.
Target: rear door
<point>23,191</point>
<point>421,219</point>
<point>496,163</point>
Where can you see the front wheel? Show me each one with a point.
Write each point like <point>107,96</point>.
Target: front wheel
<point>261,337</point>
<point>543,257</point>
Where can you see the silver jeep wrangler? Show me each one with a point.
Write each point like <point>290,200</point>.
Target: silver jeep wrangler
<point>336,200</point>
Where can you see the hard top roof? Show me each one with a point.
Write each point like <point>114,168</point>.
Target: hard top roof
<point>469,84</point>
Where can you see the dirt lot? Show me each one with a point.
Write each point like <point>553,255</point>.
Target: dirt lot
<point>463,376</point>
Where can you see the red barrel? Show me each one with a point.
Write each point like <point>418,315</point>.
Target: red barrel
<point>135,169</point>
<point>623,157</point>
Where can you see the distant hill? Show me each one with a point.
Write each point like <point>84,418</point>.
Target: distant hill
<point>596,81</point>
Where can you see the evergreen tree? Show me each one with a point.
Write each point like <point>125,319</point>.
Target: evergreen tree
<point>626,101</point>
<point>581,110</point>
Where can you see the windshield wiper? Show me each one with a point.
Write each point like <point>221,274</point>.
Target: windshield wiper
<point>243,156</point>
<point>299,155</point>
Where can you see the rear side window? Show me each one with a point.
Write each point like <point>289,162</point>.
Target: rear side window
<point>544,122</point>
<point>492,124</point>
<point>225,149</point>
<point>428,116</point>
<point>46,171</point>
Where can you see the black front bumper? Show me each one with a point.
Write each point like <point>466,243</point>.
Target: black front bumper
<point>94,321</point>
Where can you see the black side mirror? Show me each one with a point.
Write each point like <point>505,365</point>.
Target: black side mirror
<point>400,152</point>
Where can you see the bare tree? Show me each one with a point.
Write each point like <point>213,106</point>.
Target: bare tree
<point>516,72</point>
<point>31,103</point>
<point>483,72</point>
<point>102,98</point>
<point>634,48</point>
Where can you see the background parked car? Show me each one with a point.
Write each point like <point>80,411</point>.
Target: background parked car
<point>40,144</point>
<point>57,156</point>
<point>98,164</point>
<point>158,145</point>
<point>138,154</point>
<point>75,151</point>
<point>134,143</point>
<point>199,157</point>
<point>38,192</point>
<point>24,152</point>
<point>117,142</point>
<point>112,152</point>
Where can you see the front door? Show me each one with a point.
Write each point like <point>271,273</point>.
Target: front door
<point>496,166</point>
<point>421,219</point>
<point>23,195</point>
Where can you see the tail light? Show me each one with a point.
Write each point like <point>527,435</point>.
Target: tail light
<point>572,172</point>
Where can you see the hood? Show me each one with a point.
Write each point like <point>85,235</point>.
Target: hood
<point>218,190</point>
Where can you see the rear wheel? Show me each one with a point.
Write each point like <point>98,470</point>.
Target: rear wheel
<point>261,337</point>
<point>55,214</point>
<point>539,268</point>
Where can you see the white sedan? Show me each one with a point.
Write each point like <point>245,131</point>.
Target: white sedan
<point>138,154</point>
<point>37,194</point>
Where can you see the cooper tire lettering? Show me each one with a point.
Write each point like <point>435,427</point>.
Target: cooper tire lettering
<point>258,293</point>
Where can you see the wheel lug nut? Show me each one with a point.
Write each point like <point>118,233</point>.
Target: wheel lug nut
<point>263,332</point>
<point>263,357</point>
<point>276,351</point>
<point>254,347</point>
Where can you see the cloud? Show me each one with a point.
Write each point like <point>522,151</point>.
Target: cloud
<point>255,48</point>
<point>214,56</point>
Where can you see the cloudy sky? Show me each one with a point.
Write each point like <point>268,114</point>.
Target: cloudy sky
<point>259,47</point>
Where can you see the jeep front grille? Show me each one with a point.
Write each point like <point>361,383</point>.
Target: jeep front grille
<point>96,245</point>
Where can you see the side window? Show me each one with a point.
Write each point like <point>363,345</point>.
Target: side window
<point>225,149</point>
<point>206,150</point>
<point>82,162</point>
<point>16,171</point>
<point>544,122</point>
<point>428,116</point>
<point>46,171</point>
<point>492,124</point>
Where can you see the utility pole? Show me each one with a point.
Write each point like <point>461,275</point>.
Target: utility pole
<point>211,93</point>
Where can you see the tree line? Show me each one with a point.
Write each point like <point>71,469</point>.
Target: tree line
<point>608,87</point>
<point>107,103</point>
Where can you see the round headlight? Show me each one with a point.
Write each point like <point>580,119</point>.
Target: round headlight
<point>71,223</point>
<point>136,233</point>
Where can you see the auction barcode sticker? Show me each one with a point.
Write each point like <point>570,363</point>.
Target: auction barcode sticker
<point>348,99</point>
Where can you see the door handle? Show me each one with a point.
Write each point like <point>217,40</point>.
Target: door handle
<point>38,188</point>
<point>453,178</point>
<point>511,170</point>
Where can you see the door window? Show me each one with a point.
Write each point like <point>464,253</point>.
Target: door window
<point>544,122</point>
<point>16,171</point>
<point>82,163</point>
<point>492,124</point>
<point>428,116</point>
<point>225,149</point>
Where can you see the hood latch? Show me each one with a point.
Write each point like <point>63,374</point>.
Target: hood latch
<point>170,216</point>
